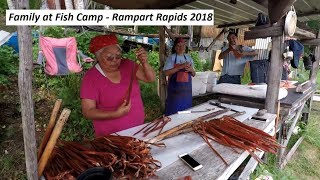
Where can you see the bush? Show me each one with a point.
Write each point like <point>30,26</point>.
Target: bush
<point>9,64</point>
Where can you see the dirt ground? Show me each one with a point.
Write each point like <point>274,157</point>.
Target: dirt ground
<point>12,160</point>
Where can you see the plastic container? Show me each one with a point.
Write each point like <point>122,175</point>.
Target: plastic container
<point>199,83</point>
<point>212,80</point>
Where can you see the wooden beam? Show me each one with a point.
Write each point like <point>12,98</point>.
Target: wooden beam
<point>291,152</point>
<point>272,31</point>
<point>311,42</point>
<point>277,9</point>
<point>315,65</point>
<point>304,34</point>
<point>274,75</point>
<point>25,91</point>
<point>171,35</point>
<point>264,3</point>
<point>125,33</point>
<point>237,24</point>
<point>144,4</point>
<point>162,76</point>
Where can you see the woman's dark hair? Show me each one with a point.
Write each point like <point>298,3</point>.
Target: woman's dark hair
<point>176,41</point>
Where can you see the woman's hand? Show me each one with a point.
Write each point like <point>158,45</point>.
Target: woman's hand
<point>190,69</point>
<point>142,55</point>
<point>124,108</point>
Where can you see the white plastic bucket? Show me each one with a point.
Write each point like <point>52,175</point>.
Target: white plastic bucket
<point>199,83</point>
<point>212,80</point>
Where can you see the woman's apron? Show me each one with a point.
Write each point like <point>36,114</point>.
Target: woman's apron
<point>179,95</point>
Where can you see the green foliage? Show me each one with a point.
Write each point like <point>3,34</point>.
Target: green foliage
<point>3,7</point>
<point>198,64</point>
<point>151,101</point>
<point>9,63</point>
<point>77,126</point>
<point>314,24</point>
<point>148,29</point>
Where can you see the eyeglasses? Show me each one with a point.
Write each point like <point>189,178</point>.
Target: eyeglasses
<point>112,57</point>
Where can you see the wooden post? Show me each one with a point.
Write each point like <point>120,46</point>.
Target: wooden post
<point>315,65</point>
<point>25,91</point>
<point>190,33</point>
<point>135,29</point>
<point>274,75</point>
<point>162,76</point>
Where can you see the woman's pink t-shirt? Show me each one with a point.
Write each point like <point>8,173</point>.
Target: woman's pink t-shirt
<point>109,96</point>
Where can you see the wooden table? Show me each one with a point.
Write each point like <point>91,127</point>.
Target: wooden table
<point>291,108</point>
<point>213,167</point>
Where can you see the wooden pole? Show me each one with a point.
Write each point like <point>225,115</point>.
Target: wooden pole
<point>53,140</point>
<point>190,33</point>
<point>25,91</point>
<point>315,65</point>
<point>274,75</point>
<point>162,76</point>
<point>50,127</point>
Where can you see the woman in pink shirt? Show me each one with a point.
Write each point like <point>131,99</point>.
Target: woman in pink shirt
<point>105,87</point>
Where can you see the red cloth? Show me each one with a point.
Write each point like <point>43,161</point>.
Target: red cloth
<point>181,40</point>
<point>102,41</point>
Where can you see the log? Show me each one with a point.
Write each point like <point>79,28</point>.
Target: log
<point>25,92</point>
<point>53,140</point>
<point>272,31</point>
<point>303,34</point>
<point>171,35</point>
<point>311,42</point>
<point>50,127</point>
<point>162,76</point>
<point>274,75</point>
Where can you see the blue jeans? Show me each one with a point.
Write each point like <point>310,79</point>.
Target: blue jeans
<point>235,79</point>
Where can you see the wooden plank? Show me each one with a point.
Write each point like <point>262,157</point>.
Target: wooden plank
<point>286,141</point>
<point>250,167</point>
<point>144,4</point>
<point>213,167</point>
<point>125,33</point>
<point>236,24</point>
<point>272,31</point>
<point>291,152</point>
<point>311,42</point>
<point>25,91</point>
<point>162,76</point>
<point>274,75</point>
<point>277,9</point>
<point>303,34</point>
<point>315,65</point>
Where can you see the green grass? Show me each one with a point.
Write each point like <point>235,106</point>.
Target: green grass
<point>305,163</point>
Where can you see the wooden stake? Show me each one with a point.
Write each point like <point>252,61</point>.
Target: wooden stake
<point>53,140</point>
<point>277,119</point>
<point>50,127</point>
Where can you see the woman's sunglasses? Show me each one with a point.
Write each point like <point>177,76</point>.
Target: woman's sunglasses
<point>112,57</point>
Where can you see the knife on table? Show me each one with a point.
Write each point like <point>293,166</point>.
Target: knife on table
<point>189,112</point>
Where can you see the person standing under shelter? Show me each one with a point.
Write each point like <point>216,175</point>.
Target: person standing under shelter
<point>234,58</point>
<point>179,68</point>
<point>110,93</point>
